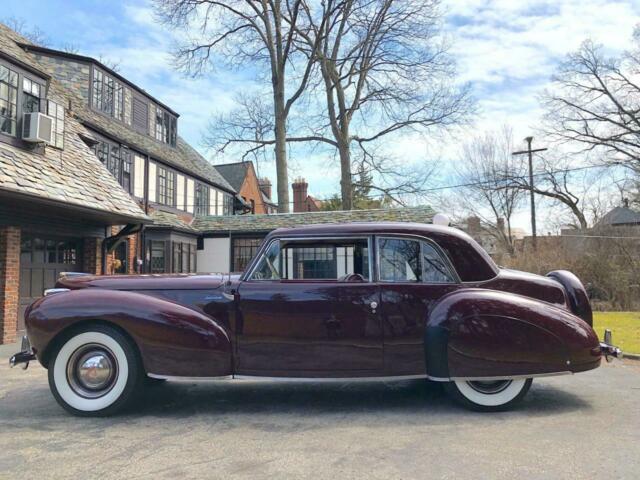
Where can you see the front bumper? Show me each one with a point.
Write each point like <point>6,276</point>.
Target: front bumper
<point>24,356</point>
<point>608,350</point>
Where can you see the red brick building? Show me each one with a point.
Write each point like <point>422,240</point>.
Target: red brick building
<point>256,193</point>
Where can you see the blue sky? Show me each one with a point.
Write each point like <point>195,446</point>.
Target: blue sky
<point>506,49</point>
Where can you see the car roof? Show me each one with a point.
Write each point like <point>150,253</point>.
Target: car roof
<point>469,259</point>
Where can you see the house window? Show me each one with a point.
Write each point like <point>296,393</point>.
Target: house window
<point>202,199</point>
<point>107,95</point>
<point>166,127</point>
<point>56,111</point>
<point>30,96</point>
<point>166,186</point>
<point>156,257</point>
<point>184,257</point>
<point>8,100</point>
<point>244,249</point>
<point>117,159</point>
<point>227,205</point>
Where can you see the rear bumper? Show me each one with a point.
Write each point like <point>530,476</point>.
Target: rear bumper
<point>607,349</point>
<point>24,356</point>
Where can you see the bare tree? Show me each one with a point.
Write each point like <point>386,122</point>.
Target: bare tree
<point>595,103</point>
<point>33,34</point>
<point>384,70</point>
<point>246,32</point>
<point>486,171</point>
<point>557,178</point>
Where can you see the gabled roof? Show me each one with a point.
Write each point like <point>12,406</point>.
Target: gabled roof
<point>73,176</point>
<point>234,173</point>
<point>620,216</point>
<point>267,223</point>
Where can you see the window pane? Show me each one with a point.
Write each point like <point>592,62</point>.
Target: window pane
<point>157,257</point>
<point>399,260</point>
<point>436,269</point>
<point>244,249</point>
<point>8,100</point>
<point>269,265</point>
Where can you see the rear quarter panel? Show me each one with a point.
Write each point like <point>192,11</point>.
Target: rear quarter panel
<point>485,333</point>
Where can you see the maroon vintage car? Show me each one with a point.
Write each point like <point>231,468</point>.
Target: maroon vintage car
<point>384,300</point>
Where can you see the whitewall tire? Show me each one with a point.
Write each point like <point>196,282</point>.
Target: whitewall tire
<point>94,371</point>
<point>488,396</point>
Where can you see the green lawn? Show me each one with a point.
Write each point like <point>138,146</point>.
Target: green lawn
<point>624,326</point>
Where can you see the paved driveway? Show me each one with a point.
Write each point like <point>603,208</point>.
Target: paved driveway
<point>573,427</point>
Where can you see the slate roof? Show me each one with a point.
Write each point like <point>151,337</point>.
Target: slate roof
<point>183,157</point>
<point>234,173</point>
<point>74,175</point>
<point>266,223</point>
<point>162,219</point>
<point>620,216</point>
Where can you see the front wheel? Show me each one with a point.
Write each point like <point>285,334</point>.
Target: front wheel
<point>95,371</point>
<point>488,396</point>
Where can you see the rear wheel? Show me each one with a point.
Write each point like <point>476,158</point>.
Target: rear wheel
<point>95,371</point>
<point>488,396</point>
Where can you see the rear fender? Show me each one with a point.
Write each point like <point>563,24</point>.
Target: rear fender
<point>484,333</point>
<point>576,294</point>
<point>173,340</point>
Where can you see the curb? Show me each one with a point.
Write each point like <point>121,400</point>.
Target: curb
<point>631,356</point>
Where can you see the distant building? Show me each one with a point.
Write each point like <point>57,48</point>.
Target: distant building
<point>255,192</point>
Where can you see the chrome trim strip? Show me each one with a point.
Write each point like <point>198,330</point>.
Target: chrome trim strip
<point>286,379</point>
<point>330,379</point>
<point>352,379</point>
<point>511,377</point>
<point>51,291</point>
<point>188,379</point>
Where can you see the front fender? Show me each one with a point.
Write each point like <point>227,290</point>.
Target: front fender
<point>485,333</point>
<point>173,340</point>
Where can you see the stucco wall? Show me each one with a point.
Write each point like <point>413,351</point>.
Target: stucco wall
<point>215,256</point>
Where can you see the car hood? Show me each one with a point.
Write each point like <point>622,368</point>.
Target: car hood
<point>147,282</point>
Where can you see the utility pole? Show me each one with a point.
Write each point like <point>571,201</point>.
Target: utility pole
<point>529,151</point>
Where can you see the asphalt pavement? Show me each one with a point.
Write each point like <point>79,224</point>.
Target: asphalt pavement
<point>569,427</point>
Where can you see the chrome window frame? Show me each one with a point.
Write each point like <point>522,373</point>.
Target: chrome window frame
<point>246,277</point>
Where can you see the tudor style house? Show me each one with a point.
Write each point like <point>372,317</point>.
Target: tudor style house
<point>94,177</point>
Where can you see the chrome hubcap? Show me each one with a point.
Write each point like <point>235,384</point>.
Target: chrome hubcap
<point>92,371</point>
<point>490,387</point>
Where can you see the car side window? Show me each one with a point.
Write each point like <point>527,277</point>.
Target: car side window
<point>399,260</point>
<point>434,267</point>
<point>268,267</point>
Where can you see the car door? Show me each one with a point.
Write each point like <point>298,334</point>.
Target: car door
<point>413,274</point>
<point>309,308</point>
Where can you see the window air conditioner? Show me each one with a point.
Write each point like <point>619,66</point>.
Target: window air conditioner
<point>37,127</point>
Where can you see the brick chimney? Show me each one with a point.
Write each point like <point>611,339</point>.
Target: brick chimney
<point>473,225</point>
<point>265,186</point>
<point>500,225</point>
<point>299,187</point>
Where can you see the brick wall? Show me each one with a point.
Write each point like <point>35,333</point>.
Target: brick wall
<point>92,256</point>
<point>9,282</point>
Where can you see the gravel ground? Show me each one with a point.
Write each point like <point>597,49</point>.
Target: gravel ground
<point>570,427</point>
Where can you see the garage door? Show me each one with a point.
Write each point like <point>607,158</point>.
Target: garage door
<point>41,261</point>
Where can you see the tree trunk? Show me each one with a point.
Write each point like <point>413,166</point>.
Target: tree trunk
<point>346,185</point>
<point>280,130</point>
